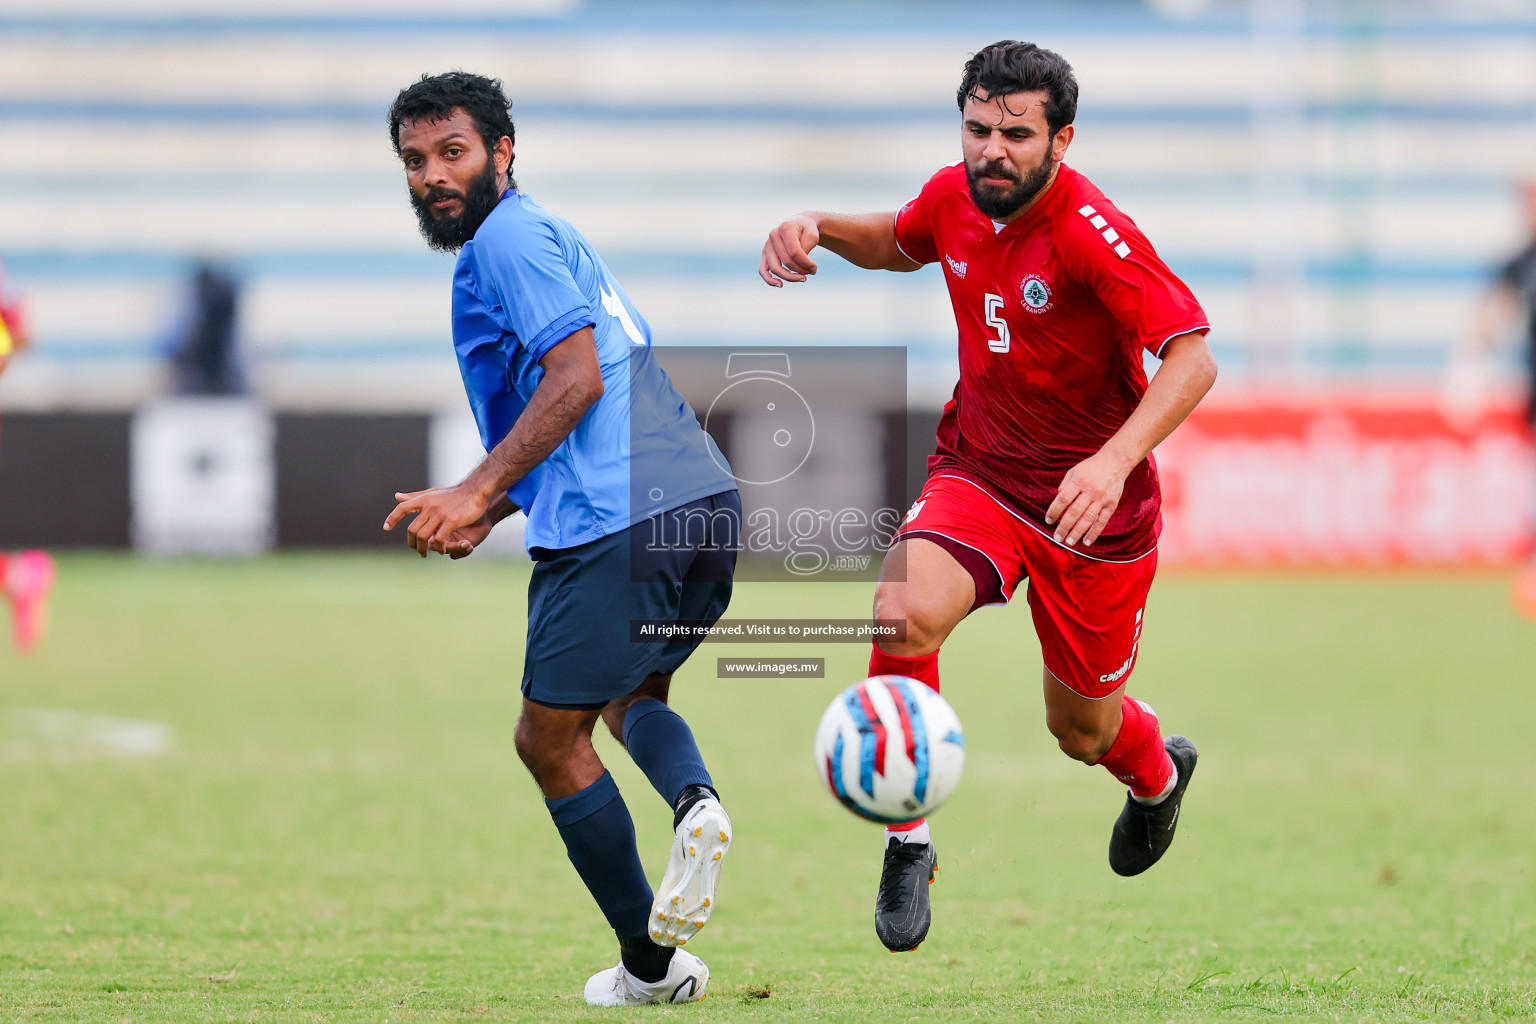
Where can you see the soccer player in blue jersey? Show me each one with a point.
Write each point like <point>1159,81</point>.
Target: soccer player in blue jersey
<point>632,514</point>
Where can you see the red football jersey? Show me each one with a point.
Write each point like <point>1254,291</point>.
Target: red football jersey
<point>1053,312</point>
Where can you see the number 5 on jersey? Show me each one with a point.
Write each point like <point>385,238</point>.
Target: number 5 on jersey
<point>994,319</point>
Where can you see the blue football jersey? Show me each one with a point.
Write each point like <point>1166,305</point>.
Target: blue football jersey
<point>524,283</point>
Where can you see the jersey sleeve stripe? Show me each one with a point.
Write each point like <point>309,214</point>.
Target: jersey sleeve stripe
<point>896,233</point>
<point>560,329</point>
<point>1185,330</point>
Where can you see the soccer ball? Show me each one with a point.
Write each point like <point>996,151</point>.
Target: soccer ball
<point>890,749</point>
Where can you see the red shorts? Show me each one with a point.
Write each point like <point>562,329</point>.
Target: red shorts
<point>1087,611</point>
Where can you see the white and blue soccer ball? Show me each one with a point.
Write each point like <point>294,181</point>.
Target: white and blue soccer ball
<point>890,749</point>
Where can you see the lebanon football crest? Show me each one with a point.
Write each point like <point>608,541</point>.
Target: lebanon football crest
<point>1036,293</point>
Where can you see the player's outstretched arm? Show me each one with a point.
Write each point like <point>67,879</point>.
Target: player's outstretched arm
<point>866,240</point>
<point>1090,492</point>
<point>572,382</point>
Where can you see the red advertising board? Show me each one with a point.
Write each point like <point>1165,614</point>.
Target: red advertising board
<point>1346,482</point>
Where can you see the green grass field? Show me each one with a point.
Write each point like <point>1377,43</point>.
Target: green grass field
<point>340,829</point>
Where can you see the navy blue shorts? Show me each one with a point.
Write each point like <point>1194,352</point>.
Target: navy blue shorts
<point>678,565</point>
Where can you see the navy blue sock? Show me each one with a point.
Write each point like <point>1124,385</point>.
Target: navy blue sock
<point>661,743</point>
<point>600,840</point>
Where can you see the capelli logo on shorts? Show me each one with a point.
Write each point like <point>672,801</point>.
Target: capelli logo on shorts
<point>913,511</point>
<point>1119,673</point>
<point>1114,677</point>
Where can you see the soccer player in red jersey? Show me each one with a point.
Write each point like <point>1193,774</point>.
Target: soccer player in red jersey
<point>1043,468</point>
<point>26,577</point>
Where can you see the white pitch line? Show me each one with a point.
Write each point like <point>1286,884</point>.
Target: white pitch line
<point>42,734</point>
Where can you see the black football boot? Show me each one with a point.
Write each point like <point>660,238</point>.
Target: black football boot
<point>901,909</point>
<point>1143,832</point>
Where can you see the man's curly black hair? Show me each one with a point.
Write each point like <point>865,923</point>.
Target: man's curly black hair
<point>434,97</point>
<point>1009,66</point>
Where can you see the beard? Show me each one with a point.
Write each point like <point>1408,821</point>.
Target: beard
<point>448,234</point>
<point>999,203</point>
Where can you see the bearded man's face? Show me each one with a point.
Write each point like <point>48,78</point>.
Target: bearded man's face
<point>1009,150</point>
<point>454,182</point>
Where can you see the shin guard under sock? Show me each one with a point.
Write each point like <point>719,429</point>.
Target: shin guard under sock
<point>599,838</point>
<point>1137,757</point>
<point>662,745</point>
<point>924,668</point>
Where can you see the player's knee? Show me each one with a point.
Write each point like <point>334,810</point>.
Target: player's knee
<point>526,739</point>
<point>1087,747</point>
<point>613,718</point>
<point>925,629</point>
<point>616,712</point>
<point>1080,741</point>
<point>540,752</point>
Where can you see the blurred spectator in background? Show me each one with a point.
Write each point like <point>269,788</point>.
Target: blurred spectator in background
<point>203,348</point>
<point>26,577</point>
<point>13,328</point>
<point>1509,301</point>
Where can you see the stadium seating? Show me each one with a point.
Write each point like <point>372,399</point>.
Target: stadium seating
<point>1335,213</point>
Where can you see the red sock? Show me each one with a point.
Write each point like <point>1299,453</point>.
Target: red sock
<point>1137,757</point>
<point>924,669</point>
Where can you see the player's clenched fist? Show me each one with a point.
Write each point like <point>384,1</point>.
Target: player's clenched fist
<point>786,256</point>
<point>1089,495</point>
<point>449,520</point>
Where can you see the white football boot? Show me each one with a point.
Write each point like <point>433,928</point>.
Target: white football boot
<point>686,896</point>
<point>685,982</point>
